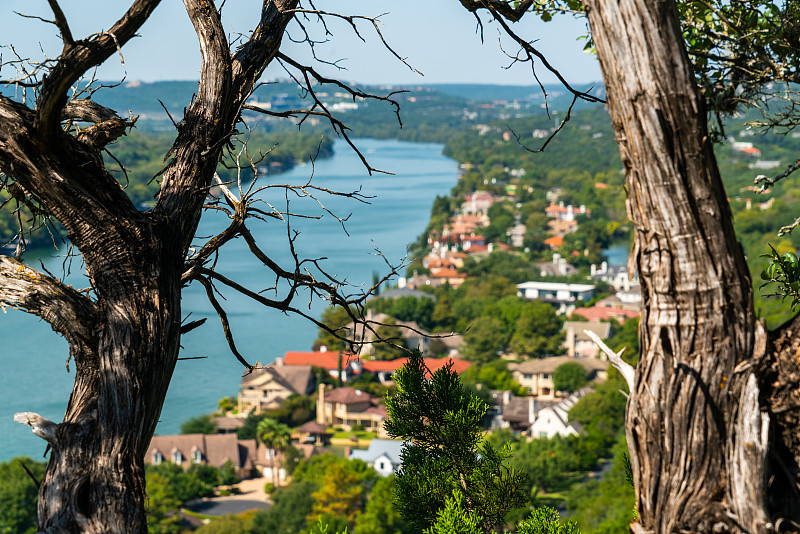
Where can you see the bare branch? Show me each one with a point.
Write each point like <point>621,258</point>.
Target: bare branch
<point>67,311</point>
<point>61,22</point>
<point>223,317</point>
<point>351,20</point>
<point>80,56</point>
<point>626,370</point>
<point>42,427</point>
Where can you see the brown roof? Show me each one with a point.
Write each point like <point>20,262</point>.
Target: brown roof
<point>347,395</point>
<point>312,427</point>
<point>295,378</point>
<point>228,423</point>
<point>216,449</point>
<point>548,365</point>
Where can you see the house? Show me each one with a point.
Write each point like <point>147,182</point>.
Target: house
<point>312,432</point>
<point>561,228</point>
<point>562,295</point>
<point>537,375</point>
<point>384,455</point>
<point>553,420</point>
<point>210,449</point>
<point>516,413</point>
<point>554,242</point>
<point>615,275</point>
<point>565,213</point>
<point>326,359</point>
<point>477,202</point>
<point>578,343</point>
<point>347,407</point>
<point>228,425</point>
<point>557,267</point>
<point>266,388</point>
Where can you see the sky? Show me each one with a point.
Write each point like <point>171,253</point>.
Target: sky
<point>437,37</point>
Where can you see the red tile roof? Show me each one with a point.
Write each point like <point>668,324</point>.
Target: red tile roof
<point>373,366</point>
<point>554,242</point>
<point>602,313</point>
<point>326,359</point>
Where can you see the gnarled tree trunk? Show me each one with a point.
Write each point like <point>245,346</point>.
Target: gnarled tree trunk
<point>704,445</point>
<point>125,338</point>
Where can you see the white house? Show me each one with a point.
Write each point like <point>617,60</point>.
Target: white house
<point>560,294</point>
<point>383,455</point>
<point>553,420</point>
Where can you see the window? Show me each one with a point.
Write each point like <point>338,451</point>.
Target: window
<point>381,466</point>
<point>197,457</point>
<point>177,457</point>
<point>157,458</point>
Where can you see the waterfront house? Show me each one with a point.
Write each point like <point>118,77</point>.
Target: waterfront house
<point>210,449</point>
<point>266,388</point>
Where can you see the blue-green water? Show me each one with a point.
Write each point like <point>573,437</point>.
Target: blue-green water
<point>32,357</point>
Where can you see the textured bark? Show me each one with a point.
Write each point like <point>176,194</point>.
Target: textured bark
<point>698,426</point>
<point>125,339</point>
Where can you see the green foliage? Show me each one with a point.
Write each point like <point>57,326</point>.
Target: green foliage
<point>485,339</point>
<point>229,524</point>
<point>18,495</point>
<point>570,377</point>
<point>441,422</point>
<point>335,317</point>
<point>226,404</point>
<point>380,515</point>
<point>545,520</point>
<point>406,308</point>
<point>202,424</point>
<point>295,410</point>
<point>392,346</point>
<point>168,487</point>
<point>339,498</point>
<point>249,429</point>
<point>456,517</point>
<point>605,505</point>
<point>492,375</point>
<point>290,507</point>
<point>784,271</point>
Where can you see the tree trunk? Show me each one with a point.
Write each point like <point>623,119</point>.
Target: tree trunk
<point>125,338</point>
<point>696,423</point>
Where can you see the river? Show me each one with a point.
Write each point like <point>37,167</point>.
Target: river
<point>34,376</point>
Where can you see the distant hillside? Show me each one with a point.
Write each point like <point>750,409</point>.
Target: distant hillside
<point>559,98</point>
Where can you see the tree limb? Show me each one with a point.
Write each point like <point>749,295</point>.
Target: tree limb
<point>80,56</point>
<point>626,370</point>
<point>68,312</point>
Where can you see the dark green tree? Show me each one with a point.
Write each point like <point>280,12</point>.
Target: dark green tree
<point>290,507</point>
<point>18,495</point>
<point>569,377</point>
<point>201,424</point>
<point>443,454</point>
<point>380,516</point>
